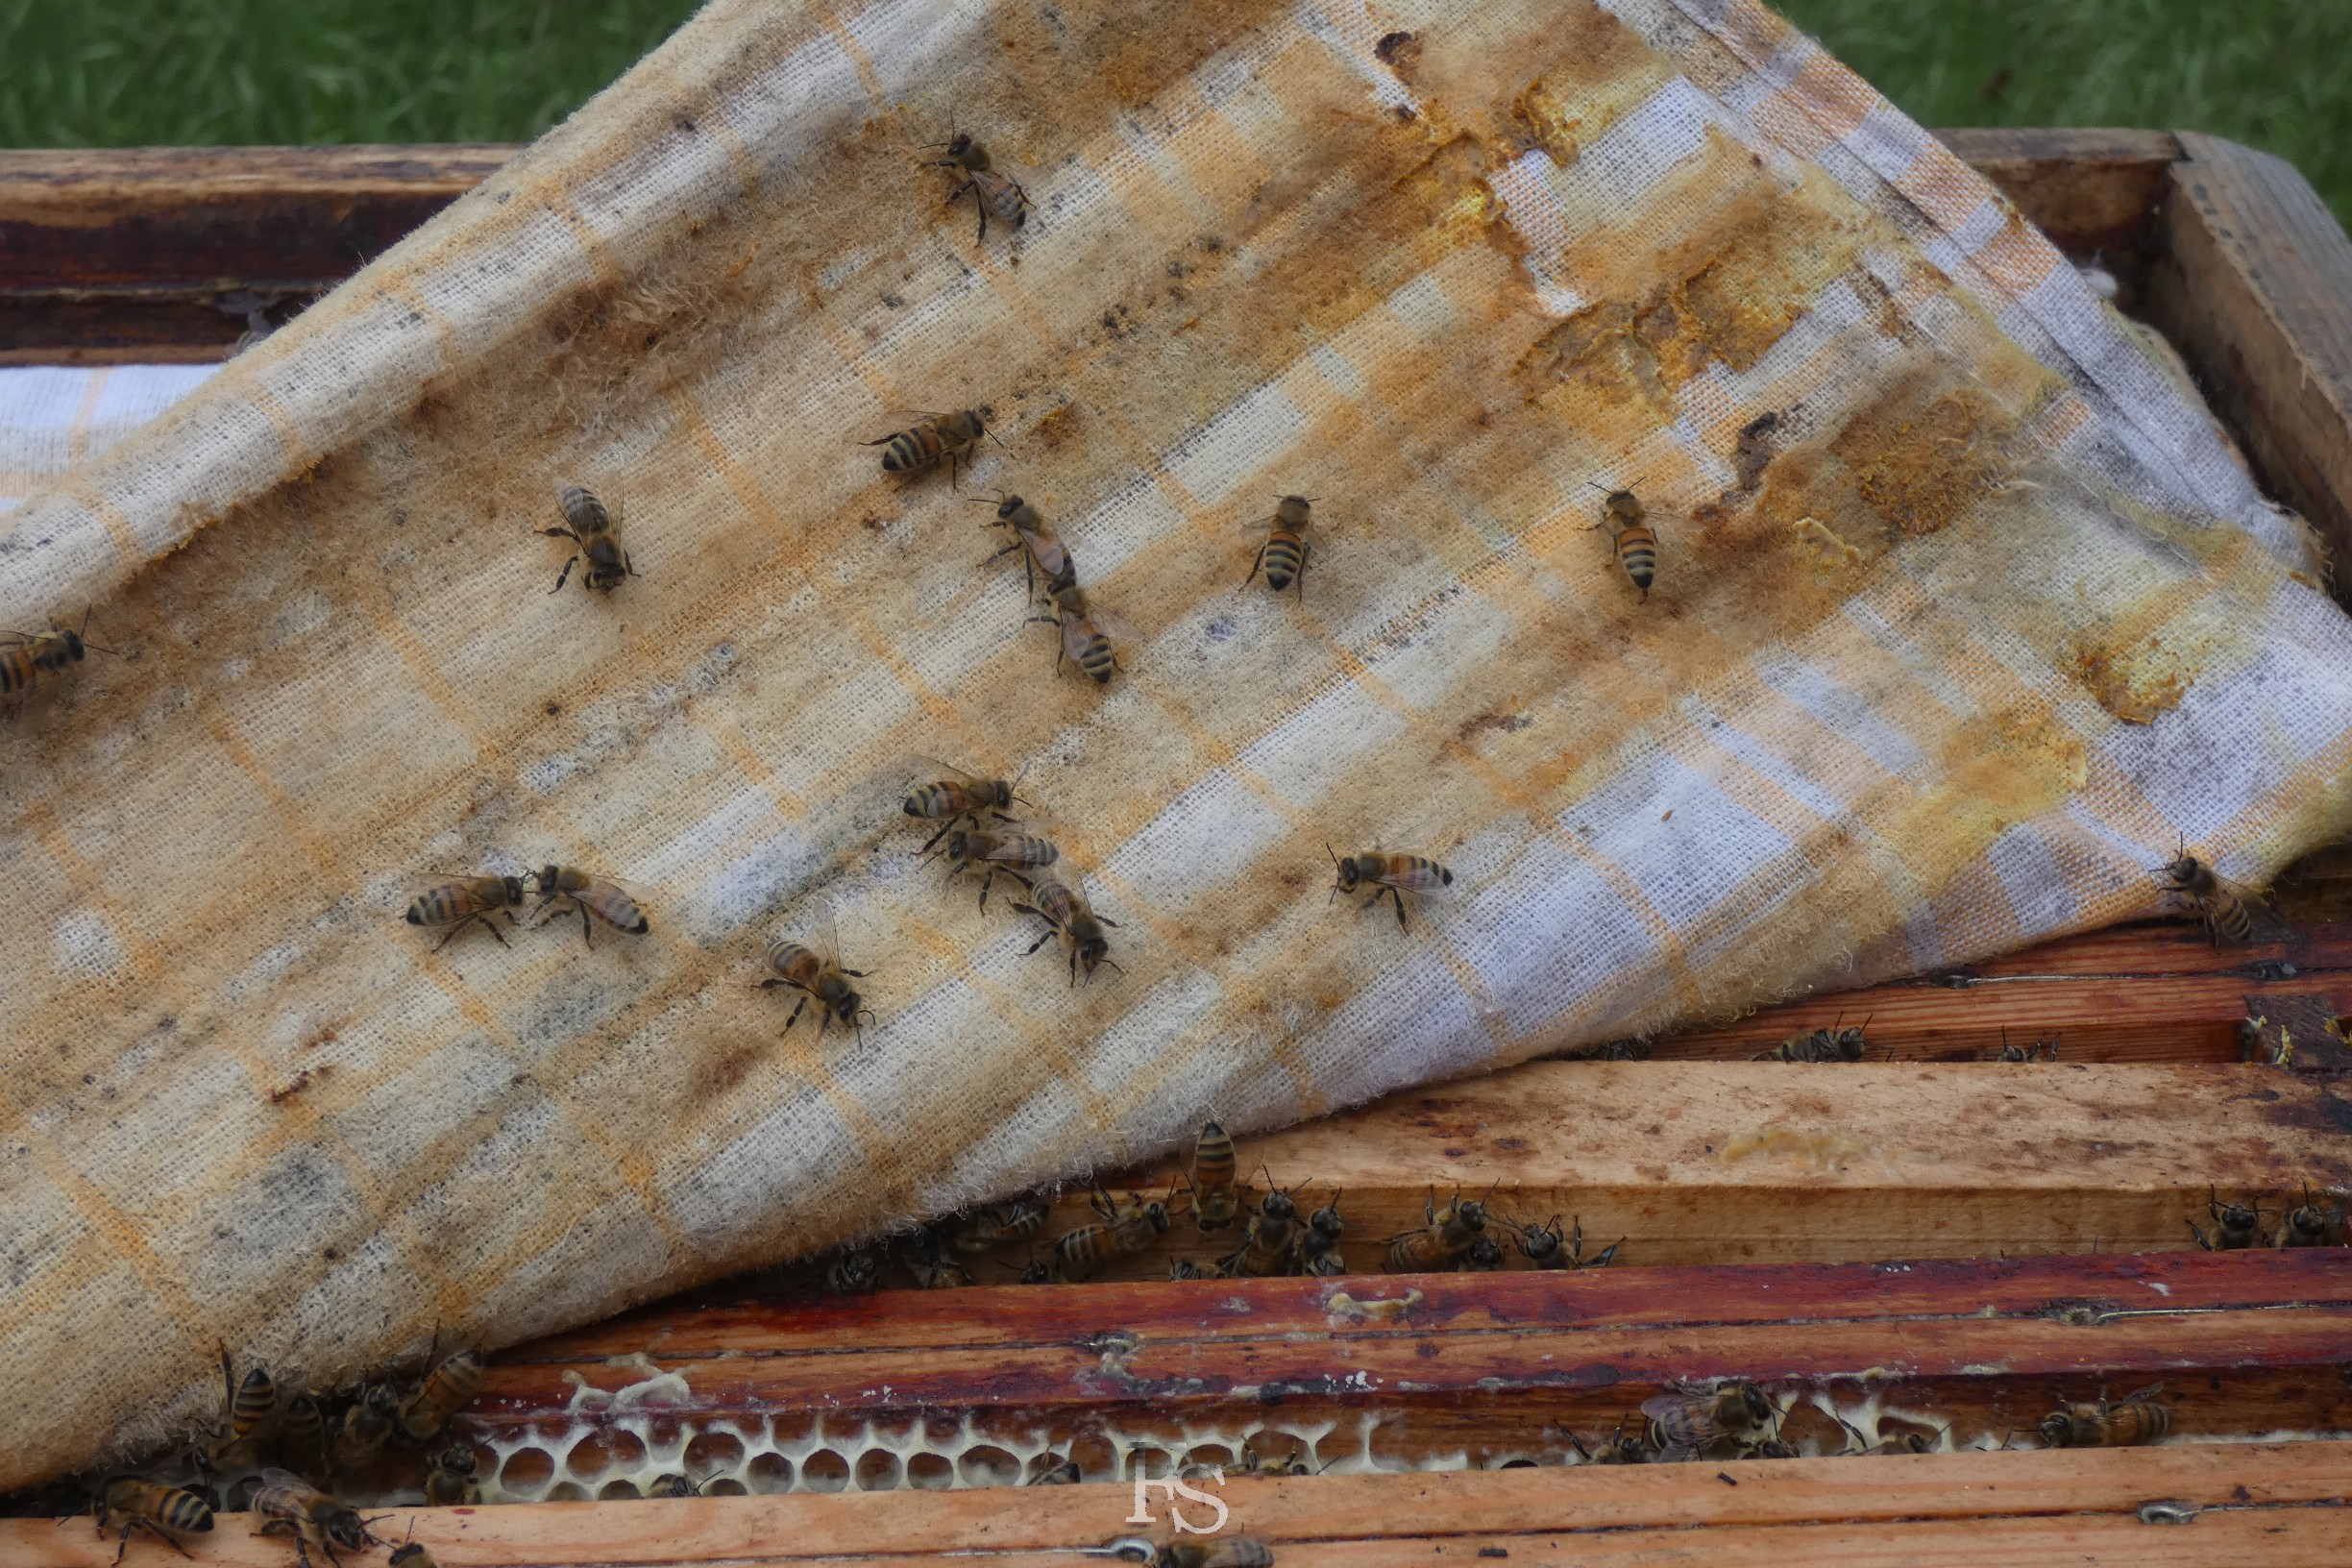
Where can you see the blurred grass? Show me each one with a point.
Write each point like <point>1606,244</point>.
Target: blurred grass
<point>73,73</point>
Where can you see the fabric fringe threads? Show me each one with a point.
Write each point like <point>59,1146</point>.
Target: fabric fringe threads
<point>1443,281</point>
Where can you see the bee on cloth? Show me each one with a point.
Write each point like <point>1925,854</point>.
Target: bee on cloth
<point>448,1384</point>
<point>2135,1419</point>
<point>1067,915</point>
<point>1283,554</point>
<point>978,1231</point>
<point>2237,1226</point>
<point>820,977</point>
<point>1830,1045</point>
<point>1216,1197</point>
<point>1044,551</point>
<point>290,1506</point>
<point>449,1484</point>
<point>128,1502</point>
<point>461,903</point>
<point>590,895</point>
<point>2191,886</point>
<point>1546,1246</point>
<point>591,528</point>
<point>1389,877</point>
<point>1121,1235</point>
<point>1003,852</point>
<point>922,444</point>
<point>1083,641</point>
<point>1684,1425</point>
<point>1444,1241</point>
<point>996,195</point>
<point>960,798</point>
<point>1631,540</point>
<point>33,655</point>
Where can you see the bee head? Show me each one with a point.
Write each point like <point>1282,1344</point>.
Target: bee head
<point>346,1529</point>
<point>458,1460</point>
<point>1278,1206</point>
<point>1326,1221</point>
<point>1327,1265</point>
<point>1484,1253</point>
<point>1349,874</point>
<point>514,889</point>
<point>1293,511</point>
<point>2057,1428</point>
<point>1157,1213</point>
<point>73,645</point>
<point>2187,869</point>
<point>1006,507</point>
<point>1540,1242</point>
<point>1757,1407</point>
<point>958,843</point>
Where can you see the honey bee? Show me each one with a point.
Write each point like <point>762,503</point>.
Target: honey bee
<point>1444,1241</point>
<point>366,1426</point>
<point>589,527</point>
<point>1271,1239</point>
<point>1320,1238</point>
<point>290,1506</point>
<point>1830,1045</point>
<point>2041,1050</point>
<point>674,1484</point>
<point>1389,877</point>
<point>450,1482</point>
<point>249,1414</point>
<point>995,194</point>
<point>1082,642</point>
<point>128,1502</point>
<point>2236,1225</point>
<point>2133,1420</point>
<point>447,1386</point>
<point>959,800</point>
<point>1045,550</point>
<point>1015,1221</point>
<point>1120,1235</point>
<point>1909,1442</point>
<point>932,1269</point>
<point>1187,1268</point>
<point>302,1435</point>
<point>411,1553</point>
<point>1328,1265</point>
<point>1225,1551</point>
<point>2191,886</point>
<point>590,896</point>
<point>1216,1197</point>
<point>33,655</point>
<point>821,979</point>
<point>1632,539</point>
<point>923,444</point>
<point>1057,1471</point>
<point>1283,554</point>
<point>1546,1246</point>
<point>1067,915</point>
<point>1620,1446</point>
<point>998,853</point>
<point>852,1272</point>
<point>2309,1225</point>
<point>1484,1256</point>
<point>460,903</point>
<point>1685,1425</point>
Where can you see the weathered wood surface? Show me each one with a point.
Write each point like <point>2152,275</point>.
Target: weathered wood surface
<point>2253,284</point>
<point>2266,1503</point>
<point>1488,1367</point>
<point>164,252</point>
<point>159,253</point>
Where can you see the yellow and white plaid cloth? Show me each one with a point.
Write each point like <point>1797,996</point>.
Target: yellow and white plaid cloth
<point>1997,628</point>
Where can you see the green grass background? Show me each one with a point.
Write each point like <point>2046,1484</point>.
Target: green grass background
<point>73,73</point>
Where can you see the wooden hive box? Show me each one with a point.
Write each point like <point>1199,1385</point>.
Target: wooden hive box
<point>1933,1243</point>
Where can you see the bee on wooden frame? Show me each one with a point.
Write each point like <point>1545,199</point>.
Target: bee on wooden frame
<point>1684,1425</point>
<point>1631,540</point>
<point>449,1381</point>
<point>2133,1420</point>
<point>932,439</point>
<point>1283,554</point>
<point>1083,641</point>
<point>465,901</point>
<point>1441,1243</point>
<point>2044,1049</point>
<point>450,1480</point>
<point>128,1502</point>
<point>977,1231</point>
<point>2191,886</point>
<point>821,977</point>
<point>1830,1045</point>
<point>592,529</point>
<point>1122,1234</point>
<point>1067,915</point>
<point>1271,1239</point>
<point>2310,1225</point>
<point>290,1506</point>
<point>1546,1246</point>
<point>1217,1194</point>
<point>2237,1226</point>
<point>249,1416</point>
<point>33,655</point>
<point>590,895</point>
<point>1224,1552</point>
<point>1389,876</point>
<point>996,195</point>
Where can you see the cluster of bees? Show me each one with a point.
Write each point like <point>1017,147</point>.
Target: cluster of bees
<point>284,1443</point>
<point>2239,1225</point>
<point>1276,1235</point>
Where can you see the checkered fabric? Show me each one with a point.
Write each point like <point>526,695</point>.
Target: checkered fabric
<point>1951,658</point>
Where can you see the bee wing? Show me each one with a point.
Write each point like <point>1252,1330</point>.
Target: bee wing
<point>945,772</point>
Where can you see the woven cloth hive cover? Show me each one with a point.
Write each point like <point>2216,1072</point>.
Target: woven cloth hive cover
<point>1953,656</point>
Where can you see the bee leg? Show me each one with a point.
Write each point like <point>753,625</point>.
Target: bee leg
<point>1399,897</point>
<point>1304,550</point>
<point>985,883</point>
<point>796,1016</point>
<point>584,936</point>
<point>564,574</point>
<point>1035,945</point>
<point>1256,562</point>
<point>626,565</point>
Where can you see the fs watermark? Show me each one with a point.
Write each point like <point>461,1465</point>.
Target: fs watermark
<point>1173,1488</point>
